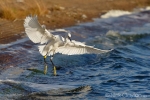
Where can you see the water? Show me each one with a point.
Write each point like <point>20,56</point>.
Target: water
<point>120,74</point>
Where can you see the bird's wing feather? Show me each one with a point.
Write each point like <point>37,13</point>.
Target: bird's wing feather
<point>75,48</point>
<point>36,32</point>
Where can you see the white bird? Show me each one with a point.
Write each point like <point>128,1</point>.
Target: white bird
<point>51,44</point>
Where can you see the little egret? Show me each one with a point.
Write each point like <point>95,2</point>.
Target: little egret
<point>51,44</point>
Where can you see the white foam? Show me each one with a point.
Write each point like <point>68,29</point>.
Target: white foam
<point>115,13</point>
<point>147,8</point>
<point>141,9</point>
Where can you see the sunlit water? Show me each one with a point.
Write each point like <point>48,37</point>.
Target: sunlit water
<point>121,74</point>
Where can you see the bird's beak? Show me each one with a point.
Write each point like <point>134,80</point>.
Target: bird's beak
<point>69,38</point>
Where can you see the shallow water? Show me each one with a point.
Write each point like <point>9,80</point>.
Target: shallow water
<point>120,74</point>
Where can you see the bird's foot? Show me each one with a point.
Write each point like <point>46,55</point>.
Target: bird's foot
<point>45,57</point>
<point>45,69</point>
<point>54,70</point>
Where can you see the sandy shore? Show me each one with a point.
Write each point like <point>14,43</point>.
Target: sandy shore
<point>65,13</point>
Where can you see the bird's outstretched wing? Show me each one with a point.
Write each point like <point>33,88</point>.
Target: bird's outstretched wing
<point>76,48</point>
<point>36,32</point>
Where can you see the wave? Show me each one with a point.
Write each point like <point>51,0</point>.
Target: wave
<point>113,38</point>
<point>117,13</point>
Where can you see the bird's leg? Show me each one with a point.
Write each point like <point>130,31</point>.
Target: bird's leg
<point>45,63</point>
<point>54,68</point>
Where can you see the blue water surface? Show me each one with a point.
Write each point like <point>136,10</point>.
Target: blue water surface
<point>120,74</point>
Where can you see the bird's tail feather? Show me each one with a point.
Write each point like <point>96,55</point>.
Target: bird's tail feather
<point>45,50</point>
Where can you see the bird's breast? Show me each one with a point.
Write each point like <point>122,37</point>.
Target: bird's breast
<point>57,44</point>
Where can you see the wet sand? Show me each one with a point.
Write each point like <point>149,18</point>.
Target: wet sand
<point>65,13</point>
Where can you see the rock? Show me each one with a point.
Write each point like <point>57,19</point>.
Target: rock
<point>48,16</point>
<point>84,16</point>
<point>61,8</point>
